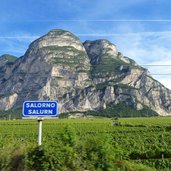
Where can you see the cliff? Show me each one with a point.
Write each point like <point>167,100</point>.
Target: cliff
<point>89,76</point>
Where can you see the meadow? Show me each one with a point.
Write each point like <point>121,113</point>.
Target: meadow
<point>124,144</point>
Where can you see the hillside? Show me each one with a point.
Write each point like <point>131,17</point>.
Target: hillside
<point>7,59</point>
<point>91,76</point>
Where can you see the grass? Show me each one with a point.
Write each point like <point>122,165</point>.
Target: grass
<point>152,121</point>
<point>149,121</point>
<point>131,136</point>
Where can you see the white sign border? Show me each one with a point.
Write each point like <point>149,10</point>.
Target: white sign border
<point>54,101</point>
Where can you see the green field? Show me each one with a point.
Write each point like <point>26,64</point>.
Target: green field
<point>124,144</point>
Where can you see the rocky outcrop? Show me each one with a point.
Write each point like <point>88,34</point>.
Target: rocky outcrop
<point>8,102</point>
<point>82,76</point>
<point>7,59</point>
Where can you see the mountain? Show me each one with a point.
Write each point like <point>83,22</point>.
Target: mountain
<point>90,76</point>
<point>7,59</point>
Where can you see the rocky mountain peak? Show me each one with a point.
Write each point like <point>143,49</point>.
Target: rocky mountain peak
<point>59,48</point>
<point>57,38</point>
<point>59,32</point>
<point>82,76</point>
<point>100,47</point>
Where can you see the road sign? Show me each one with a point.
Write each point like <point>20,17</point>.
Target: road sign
<point>40,108</point>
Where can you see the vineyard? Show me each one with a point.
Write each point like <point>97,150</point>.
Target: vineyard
<point>124,144</point>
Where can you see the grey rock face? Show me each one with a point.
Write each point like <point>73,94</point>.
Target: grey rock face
<point>82,77</point>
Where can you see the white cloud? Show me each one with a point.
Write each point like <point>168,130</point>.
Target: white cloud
<point>161,71</point>
<point>151,49</point>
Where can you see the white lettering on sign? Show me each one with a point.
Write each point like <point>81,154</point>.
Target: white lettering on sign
<point>40,112</point>
<point>40,108</point>
<point>40,105</point>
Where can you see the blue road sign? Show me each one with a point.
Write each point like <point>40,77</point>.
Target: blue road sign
<point>40,108</point>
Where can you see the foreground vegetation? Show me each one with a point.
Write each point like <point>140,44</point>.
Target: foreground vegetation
<point>87,144</point>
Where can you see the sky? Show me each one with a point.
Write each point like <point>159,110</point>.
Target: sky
<point>141,29</point>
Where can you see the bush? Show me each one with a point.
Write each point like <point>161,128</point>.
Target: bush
<point>38,159</point>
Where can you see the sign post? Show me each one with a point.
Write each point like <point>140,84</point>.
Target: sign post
<point>41,110</point>
<point>40,131</point>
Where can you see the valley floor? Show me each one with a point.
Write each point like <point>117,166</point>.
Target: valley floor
<point>124,144</point>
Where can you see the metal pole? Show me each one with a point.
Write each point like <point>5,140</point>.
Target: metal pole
<point>40,131</point>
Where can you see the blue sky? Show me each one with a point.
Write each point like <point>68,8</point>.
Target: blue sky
<point>141,29</point>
